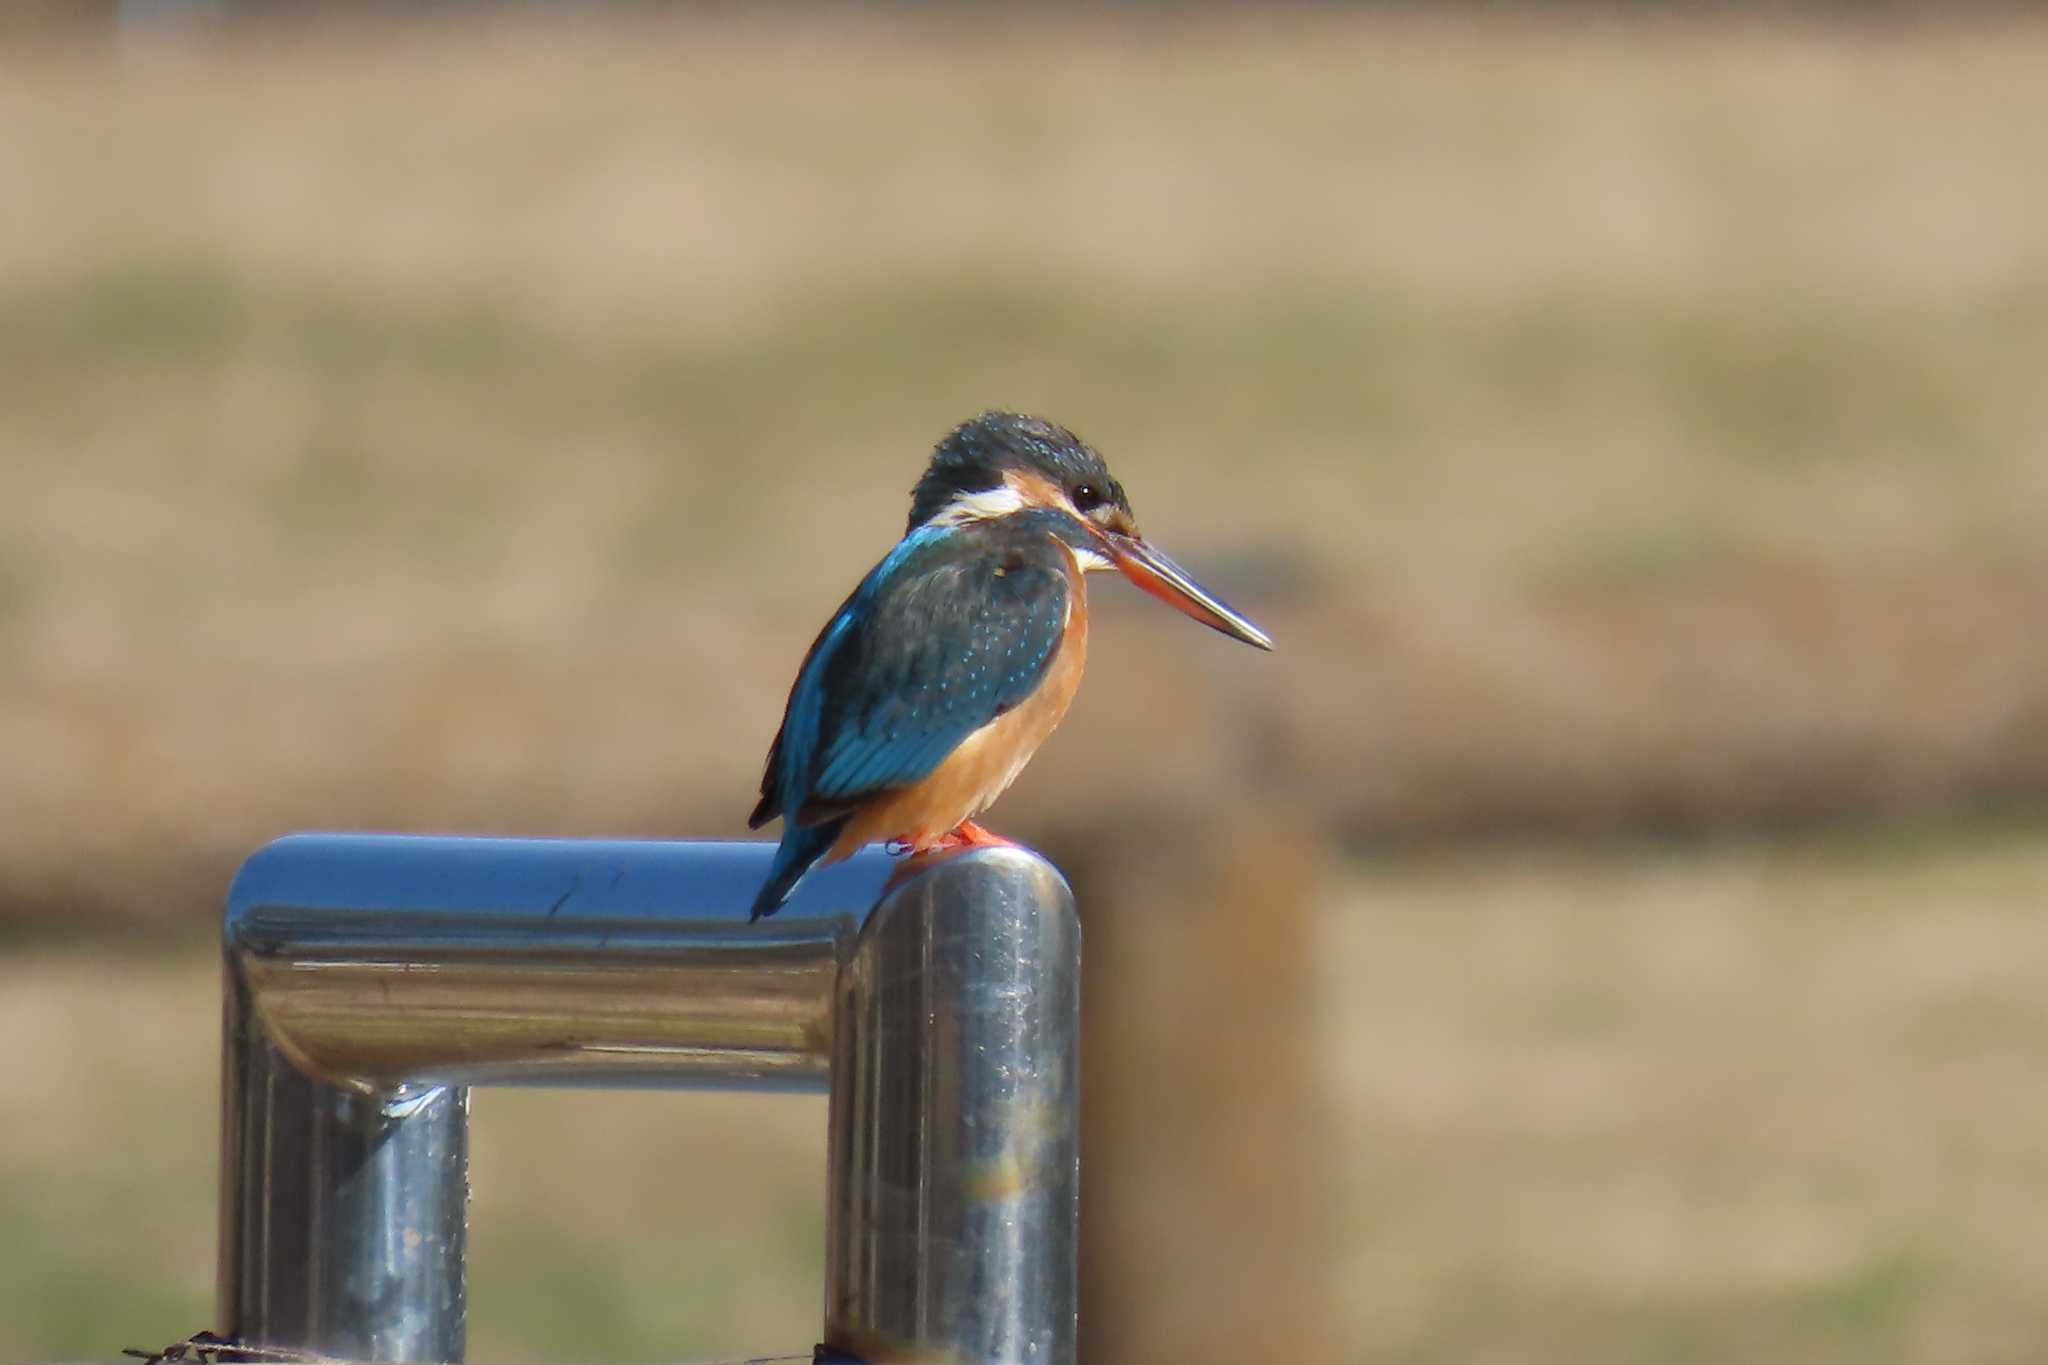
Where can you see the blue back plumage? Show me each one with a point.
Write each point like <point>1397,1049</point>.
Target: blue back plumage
<point>953,628</point>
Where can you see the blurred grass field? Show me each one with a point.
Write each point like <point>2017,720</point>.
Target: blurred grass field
<point>1632,431</point>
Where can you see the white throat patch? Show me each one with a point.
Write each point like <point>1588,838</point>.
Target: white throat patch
<point>983,504</point>
<point>1090,560</point>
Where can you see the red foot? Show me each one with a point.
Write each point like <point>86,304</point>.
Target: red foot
<point>971,835</point>
<point>966,834</point>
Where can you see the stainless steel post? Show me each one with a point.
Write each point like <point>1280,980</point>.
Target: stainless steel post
<point>342,1214</point>
<point>371,978</point>
<point>954,1177</point>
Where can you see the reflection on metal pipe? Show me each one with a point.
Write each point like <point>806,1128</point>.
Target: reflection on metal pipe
<point>343,1216</point>
<point>376,961</point>
<point>954,1183</point>
<point>371,978</point>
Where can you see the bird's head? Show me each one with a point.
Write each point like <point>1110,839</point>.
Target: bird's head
<point>1005,464</point>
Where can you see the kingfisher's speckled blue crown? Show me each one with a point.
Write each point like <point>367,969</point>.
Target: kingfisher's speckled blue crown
<point>932,685</point>
<point>977,454</point>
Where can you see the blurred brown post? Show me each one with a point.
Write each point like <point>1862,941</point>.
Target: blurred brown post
<point>1206,1178</point>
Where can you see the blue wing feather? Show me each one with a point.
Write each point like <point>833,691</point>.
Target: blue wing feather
<point>954,627</point>
<point>947,634</point>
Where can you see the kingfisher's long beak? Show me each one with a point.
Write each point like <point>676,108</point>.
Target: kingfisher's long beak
<point>1166,580</point>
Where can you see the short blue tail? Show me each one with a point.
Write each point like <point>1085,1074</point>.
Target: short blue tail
<point>801,847</point>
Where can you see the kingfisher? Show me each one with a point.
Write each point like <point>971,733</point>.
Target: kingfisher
<point>937,679</point>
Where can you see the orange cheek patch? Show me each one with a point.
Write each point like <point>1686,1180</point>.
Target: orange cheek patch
<point>1036,489</point>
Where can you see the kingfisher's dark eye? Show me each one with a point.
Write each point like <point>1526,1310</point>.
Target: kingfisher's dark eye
<point>1087,497</point>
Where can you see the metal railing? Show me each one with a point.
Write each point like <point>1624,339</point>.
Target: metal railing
<point>371,979</point>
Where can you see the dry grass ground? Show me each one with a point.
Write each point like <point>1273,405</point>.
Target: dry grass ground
<point>1751,1104</point>
<point>1765,1104</point>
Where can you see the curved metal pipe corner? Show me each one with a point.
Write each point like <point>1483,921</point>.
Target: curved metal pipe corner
<point>375,961</point>
<point>370,979</point>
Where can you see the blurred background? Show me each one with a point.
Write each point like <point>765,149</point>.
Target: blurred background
<point>1609,928</point>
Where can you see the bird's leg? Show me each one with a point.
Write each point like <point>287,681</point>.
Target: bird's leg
<point>920,845</point>
<point>924,848</point>
<point>966,834</point>
<point>970,835</point>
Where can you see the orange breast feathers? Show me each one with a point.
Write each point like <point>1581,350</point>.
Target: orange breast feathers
<point>969,780</point>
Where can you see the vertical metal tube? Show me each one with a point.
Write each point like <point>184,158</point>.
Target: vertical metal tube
<point>343,1214</point>
<point>954,1173</point>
